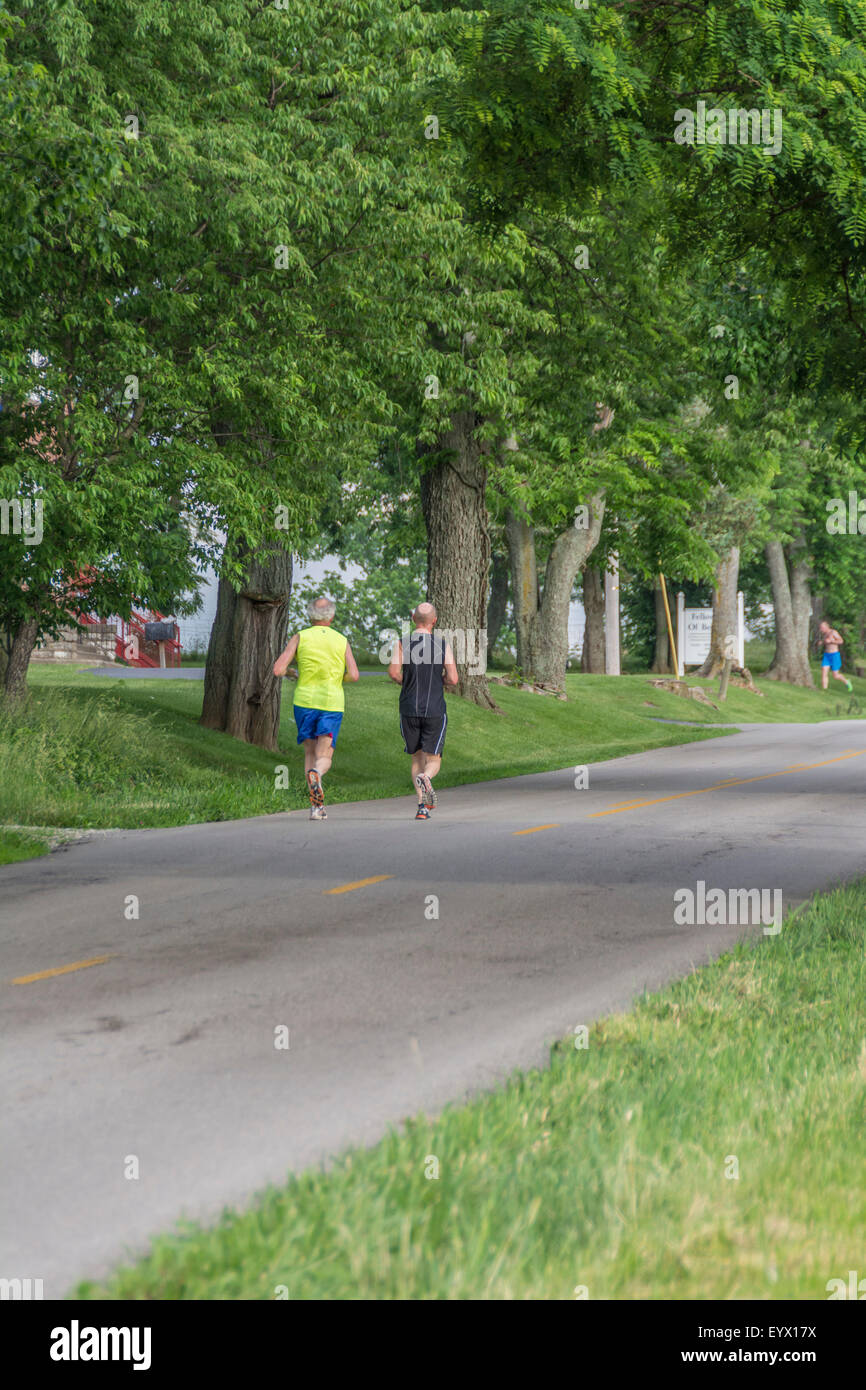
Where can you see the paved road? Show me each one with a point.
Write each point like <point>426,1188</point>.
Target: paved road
<point>146,673</point>
<point>166,1050</point>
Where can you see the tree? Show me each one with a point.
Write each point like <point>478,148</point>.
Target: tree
<point>497,601</point>
<point>541,618</point>
<point>790,573</point>
<point>175,305</point>
<point>108,282</point>
<point>620,313</point>
<point>458,557</point>
<point>248,634</point>
<point>593,660</point>
<point>553,104</point>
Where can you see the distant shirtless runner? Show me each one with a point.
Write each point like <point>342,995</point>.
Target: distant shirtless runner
<point>832,659</point>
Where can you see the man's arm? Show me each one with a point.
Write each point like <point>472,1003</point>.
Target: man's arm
<point>395,670</point>
<point>352,672</point>
<point>285,659</point>
<point>836,637</point>
<point>452,680</point>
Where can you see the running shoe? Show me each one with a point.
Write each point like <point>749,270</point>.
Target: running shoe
<point>422,813</point>
<point>314,782</point>
<point>425,787</point>
<point>318,813</point>
<point>850,687</point>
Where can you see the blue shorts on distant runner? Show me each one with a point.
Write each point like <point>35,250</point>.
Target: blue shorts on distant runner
<point>317,723</point>
<point>833,660</point>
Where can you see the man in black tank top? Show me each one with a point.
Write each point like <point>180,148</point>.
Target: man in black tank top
<point>424,668</point>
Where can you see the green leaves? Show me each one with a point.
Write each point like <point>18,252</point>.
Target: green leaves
<point>282,277</point>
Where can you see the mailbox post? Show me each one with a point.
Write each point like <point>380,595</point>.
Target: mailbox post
<point>160,633</point>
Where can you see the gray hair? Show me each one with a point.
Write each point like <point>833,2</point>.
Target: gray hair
<point>321,609</point>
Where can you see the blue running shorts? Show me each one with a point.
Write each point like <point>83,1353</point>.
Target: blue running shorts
<point>316,723</point>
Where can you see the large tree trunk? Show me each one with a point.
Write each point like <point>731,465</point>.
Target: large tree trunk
<point>524,583</point>
<point>497,603</point>
<point>15,675</point>
<point>592,657</point>
<point>662,659</point>
<point>241,692</point>
<point>458,549</point>
<point>801,599</point>
<point>792,606</point>
<point>542,624</point>
<point>724,629</point>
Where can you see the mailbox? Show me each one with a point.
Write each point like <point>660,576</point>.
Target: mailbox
<point>159,632</point>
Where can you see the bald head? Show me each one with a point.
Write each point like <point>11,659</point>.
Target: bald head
<point>425,615</point>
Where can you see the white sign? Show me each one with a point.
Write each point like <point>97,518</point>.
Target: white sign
<point>694,629</point>
<point>697,627</point>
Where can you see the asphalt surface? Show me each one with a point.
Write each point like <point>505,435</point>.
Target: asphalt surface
<point>149,673</point>
<point>165,1050</point>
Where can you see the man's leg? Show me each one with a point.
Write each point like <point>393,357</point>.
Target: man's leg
<point>428,766</point>
<point>825,677</point>
<point>324,753</point>
<point>418,761</point>
<point>309,754</point>
<point>318,753</point>
<point>432,764</point>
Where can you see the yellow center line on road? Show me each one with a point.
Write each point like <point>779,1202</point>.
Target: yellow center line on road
<point>60,970</point>
<point>359,883</point>
<point>533,830</point>
<point>718,786</point>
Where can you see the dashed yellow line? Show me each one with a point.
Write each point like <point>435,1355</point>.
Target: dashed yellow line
<point>60,970</point>
<point>533,830</point>
<point>359,883</point>
<point>719,786</point>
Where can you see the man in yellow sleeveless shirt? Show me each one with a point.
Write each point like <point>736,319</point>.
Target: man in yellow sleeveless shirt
<point>324,660</point>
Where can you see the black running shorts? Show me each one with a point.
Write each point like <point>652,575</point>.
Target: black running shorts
<point>418,732</point>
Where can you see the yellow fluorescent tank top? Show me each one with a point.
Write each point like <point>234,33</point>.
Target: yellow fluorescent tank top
<point>321,661</point>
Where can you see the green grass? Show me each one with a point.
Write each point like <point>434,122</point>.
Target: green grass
<point>759,653</point>
<point>91,752</point>
<point>15,846</point>
<point>608,1170</point>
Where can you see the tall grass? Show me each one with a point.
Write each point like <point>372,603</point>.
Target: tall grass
<point>72,743</point>
<point>88,758</point>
